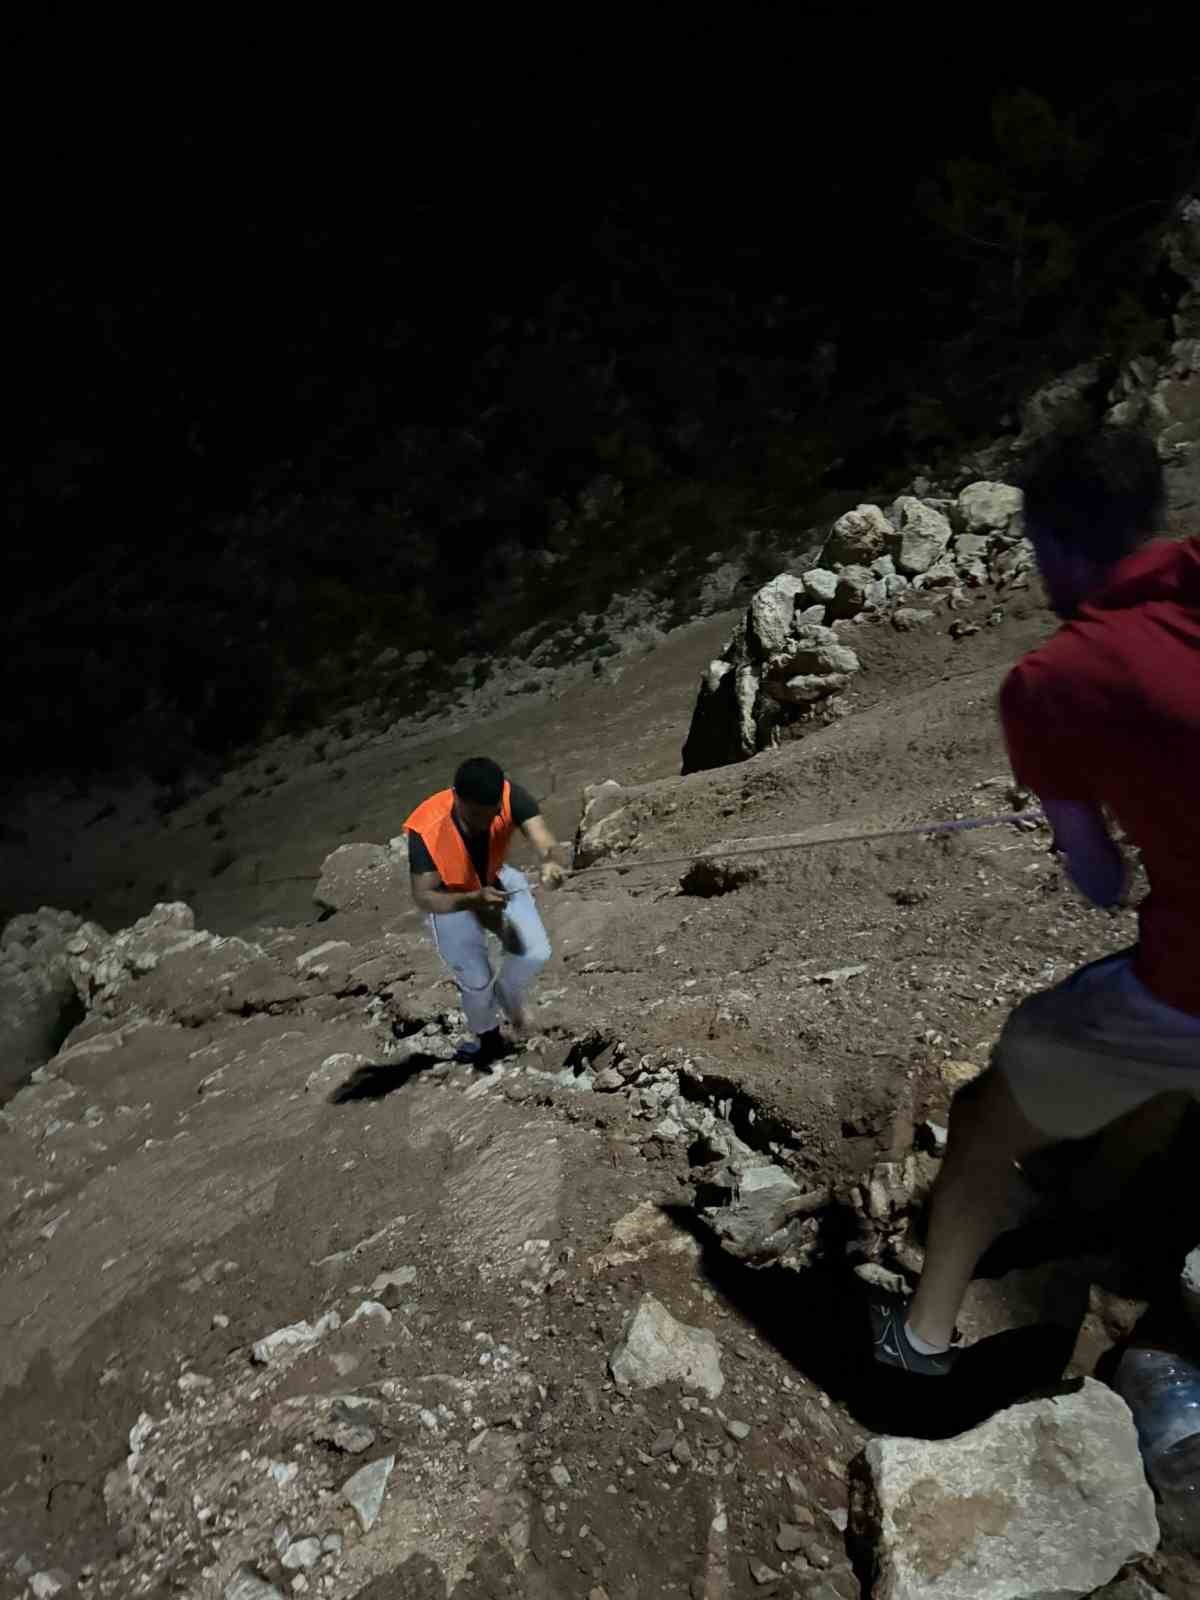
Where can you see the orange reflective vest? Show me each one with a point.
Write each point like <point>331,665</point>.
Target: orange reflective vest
<point>434,821</point>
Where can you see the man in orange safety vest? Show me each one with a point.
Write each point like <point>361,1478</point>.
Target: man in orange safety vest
<point>458,842</point>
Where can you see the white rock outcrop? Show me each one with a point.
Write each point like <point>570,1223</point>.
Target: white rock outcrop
<point>1044,1501</point>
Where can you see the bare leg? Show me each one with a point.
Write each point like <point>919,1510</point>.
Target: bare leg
<point>988,1132</point>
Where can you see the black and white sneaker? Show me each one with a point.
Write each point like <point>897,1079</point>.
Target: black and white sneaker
<point>484,1052</point>
<point>892,1347</point>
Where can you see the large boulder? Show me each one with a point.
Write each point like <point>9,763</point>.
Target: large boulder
<point>1044,1501</point>
<point>38,1002</point>
<point>921,536</point>
<point>821,585</point>
<point>857,537</point>
<point>986,508</point>
<point>361,876</point>
<point>773,612</point>
<point>723,726</point>
<point>605,825</point>
<point>779,666</point>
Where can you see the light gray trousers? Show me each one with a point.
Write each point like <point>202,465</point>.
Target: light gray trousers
<point>461,942</point>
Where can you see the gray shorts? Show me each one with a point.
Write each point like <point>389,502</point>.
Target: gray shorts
<point>1082,1054</point>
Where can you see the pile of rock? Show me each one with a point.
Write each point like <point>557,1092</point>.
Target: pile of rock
<point>1163,396</point>
<point>786,662</point>
<point>38,1006</point>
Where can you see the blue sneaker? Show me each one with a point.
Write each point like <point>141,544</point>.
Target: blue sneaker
<point>892,1347</point>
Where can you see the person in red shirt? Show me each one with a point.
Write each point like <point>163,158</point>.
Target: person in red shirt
<point>1103,718</point>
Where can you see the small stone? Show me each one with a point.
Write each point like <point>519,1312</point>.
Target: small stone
<point>963,630</point>
<point>560,1475</point>
<point>662,1443</point>
<point>838,975</point>
<point>305,1553</point>
<point>350,1437</point>
<point>681,1450</point>
<point>331,1544</point>
<point>47,1584</point>
<point>738,1430</point>
<point>791,1537</point>
<point>387,1282</point>
<point>370,1310</point>
<point>607,1081</point>
<point>288,1342</point>
<point>881,1278</point>
<point>247,1585</point>
<point>365,1490</point>
<point>935,1135</point>
<point>815,1554</point>
<point>761,1572</point>
<point>220,1320</point>
<point>956,1073</point>
<point>191,1382</point>
<point>906,618</point>
<point>1189,1284</point>
<point>597,1593</point>
<point>656,1349</point>
<point>1131,1587</point>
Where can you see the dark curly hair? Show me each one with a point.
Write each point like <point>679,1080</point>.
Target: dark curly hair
<point>479,780</point>
<point>1100,490</point>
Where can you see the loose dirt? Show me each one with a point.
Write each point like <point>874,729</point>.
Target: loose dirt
<point>176,1198</point>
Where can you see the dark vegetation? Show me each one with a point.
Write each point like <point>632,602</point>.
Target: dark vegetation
<point>292,399</point>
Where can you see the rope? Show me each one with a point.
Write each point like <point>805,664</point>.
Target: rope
<point>808,842</point>
<point>796,841</point>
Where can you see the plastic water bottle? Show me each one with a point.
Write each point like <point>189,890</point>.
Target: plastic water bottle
<point>1163,1392</point>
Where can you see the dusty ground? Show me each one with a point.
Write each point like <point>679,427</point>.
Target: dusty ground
<point>227,1168</point>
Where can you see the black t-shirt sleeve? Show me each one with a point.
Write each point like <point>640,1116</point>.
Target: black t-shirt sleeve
<point>419,859</point>
<point>523,804</point>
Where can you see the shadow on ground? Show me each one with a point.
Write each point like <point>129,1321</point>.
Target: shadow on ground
<point>818,1319</point>
<point>375,1080</point>
<point>818,1322</point>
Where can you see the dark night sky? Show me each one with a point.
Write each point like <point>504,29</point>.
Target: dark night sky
<point>245,276</point>
<point>216,278</point>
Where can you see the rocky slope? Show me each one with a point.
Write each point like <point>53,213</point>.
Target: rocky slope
<point>294,1304</point>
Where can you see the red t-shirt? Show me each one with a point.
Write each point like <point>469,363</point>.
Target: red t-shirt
<point>1108,712</point>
